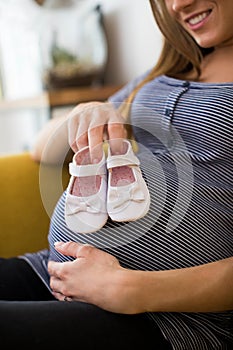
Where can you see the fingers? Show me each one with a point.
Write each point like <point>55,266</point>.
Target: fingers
<point>74,249</point>
<point>61,296</point>
<point>59,273</point>
<point>77,129</point>
<point>62,273</point>
<point>95,141</point>
<point>88,125</point>
<point>116,132</point>
<point>68,248</point>
<point>55,269</point>
<point>86,122</point>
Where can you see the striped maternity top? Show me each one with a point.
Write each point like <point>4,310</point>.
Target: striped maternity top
<point>184,133</point>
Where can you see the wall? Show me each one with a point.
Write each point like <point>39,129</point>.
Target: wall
<point>134,44</point>
<point>134,39</point>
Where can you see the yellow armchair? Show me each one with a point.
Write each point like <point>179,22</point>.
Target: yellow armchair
<point>28,194</point>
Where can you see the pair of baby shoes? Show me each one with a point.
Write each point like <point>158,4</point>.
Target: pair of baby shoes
<point>113,187</point>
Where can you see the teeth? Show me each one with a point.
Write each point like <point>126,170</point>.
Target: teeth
<point>198,18</point>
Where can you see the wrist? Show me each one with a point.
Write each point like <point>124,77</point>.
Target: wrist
<point>131,288</point>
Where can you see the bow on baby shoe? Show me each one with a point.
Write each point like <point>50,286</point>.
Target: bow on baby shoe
<point>119,197</point>
<point>90,205</point>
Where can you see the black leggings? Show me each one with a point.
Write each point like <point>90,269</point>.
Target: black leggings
<point>31,318</point>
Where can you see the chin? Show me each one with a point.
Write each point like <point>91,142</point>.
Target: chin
<point>208,41</point>
<point>206,44</point>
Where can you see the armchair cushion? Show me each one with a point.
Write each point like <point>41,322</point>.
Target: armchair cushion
<point>28,195</point>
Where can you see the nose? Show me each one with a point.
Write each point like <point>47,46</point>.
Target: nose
<point>178,5</point>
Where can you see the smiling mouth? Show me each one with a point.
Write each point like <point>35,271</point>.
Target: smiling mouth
<point>194,20</point>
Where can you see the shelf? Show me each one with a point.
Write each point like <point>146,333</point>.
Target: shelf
<point>63,97</point>
<point>77,95</point>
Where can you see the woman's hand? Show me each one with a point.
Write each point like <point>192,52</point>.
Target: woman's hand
<point>91,123</point>
<point>94,277</point>
<point>88,124</point>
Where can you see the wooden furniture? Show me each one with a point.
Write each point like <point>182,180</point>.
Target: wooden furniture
<point>61,98</point>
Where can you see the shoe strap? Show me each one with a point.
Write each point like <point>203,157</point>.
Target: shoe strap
<point>87,170</point>
<point>129,158</point>
<point>121,160</point>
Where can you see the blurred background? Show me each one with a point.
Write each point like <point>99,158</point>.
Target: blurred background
<point>55,54</point>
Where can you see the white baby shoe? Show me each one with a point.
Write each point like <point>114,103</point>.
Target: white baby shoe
<point>85,204</point>
<point>128,197</point>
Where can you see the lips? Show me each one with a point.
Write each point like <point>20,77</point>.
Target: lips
<point>197,18</point>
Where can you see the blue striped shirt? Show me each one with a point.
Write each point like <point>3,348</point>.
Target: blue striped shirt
<point>184,132</point>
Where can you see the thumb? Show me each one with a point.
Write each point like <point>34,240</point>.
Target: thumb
<point>67,248</point>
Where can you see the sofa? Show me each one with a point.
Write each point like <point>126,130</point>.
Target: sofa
<point>29,192</point>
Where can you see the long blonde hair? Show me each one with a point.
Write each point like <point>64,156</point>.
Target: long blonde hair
<point>179,56</point>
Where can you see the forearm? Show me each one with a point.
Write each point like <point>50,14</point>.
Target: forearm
<point>51,145</point>
<point>205,288</point>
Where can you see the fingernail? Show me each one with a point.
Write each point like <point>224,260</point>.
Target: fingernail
<point>58,244</point>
